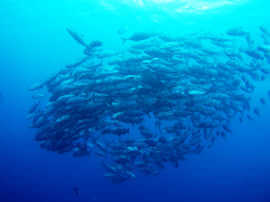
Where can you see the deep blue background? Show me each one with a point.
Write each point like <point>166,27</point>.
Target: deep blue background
<point>34,44</point>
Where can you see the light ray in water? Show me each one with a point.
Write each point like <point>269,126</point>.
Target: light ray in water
<point>183,6</point>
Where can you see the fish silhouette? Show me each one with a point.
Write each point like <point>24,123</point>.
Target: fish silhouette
<point>76,191</point>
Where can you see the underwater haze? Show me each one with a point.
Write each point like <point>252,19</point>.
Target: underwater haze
<point>54,149</point>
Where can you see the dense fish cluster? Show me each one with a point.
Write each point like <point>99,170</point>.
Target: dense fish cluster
<point>155,101</point>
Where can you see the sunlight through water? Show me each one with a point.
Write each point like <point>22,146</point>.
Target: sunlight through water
<point>176,6</point>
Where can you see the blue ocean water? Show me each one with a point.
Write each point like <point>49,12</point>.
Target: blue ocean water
<point>34,45</point>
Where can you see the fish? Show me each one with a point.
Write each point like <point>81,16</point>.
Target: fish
<point>237,32</point>
<point>257,111</point>
<point>250,117</point>
<point>76,191</point>
<point>34,108</point>
<point>82,61</point>
<point>116,179</point>
<point>36,86</point>
<point>90,49</point>
<point>262,100</point>
<point>264,48</point>
<point>76,37</point>
<point>139,36</point>
<point>264,30</point>
<point>254,55</point>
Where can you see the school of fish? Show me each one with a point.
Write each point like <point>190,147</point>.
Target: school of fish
<point>152,103</point>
